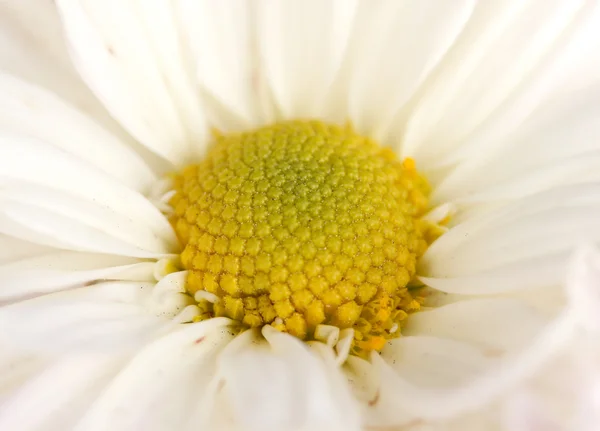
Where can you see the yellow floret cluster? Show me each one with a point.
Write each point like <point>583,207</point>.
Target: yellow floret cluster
<point>299,224</point>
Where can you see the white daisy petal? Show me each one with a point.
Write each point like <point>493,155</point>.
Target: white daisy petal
<point>179,365</point>
<point>65,221</point>
<point>524,245</point>
<point>27,110</point>
<point>518,47</point>
<point>584,287</point>
<point>97,312</point>
<point>105,317</point>
<point>577,41</point>
<point>13,249</point>
<point>522,164</point>
<point>437,378</point>
<point>169,297</point>
<point>32,47</point>
<point>448,335</point>
<point>35,224</point>
<point>502,324</point>
<point>525,414</point>
<point>112,42</point>
<point>302,46</point>
<point>364,381</point>
<point>17,367</point>
<point>418,360</point>
<point>285,386</point>
<point>29,162</point>
<point>63,269</point>
<point>228,72</point>
<point>421,365</point>
<point>36,55</point>
<point>58,395</point>
<point>395,45</point>
<point>580,64</point>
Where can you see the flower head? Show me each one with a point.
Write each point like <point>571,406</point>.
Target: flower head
<point>299,215</point>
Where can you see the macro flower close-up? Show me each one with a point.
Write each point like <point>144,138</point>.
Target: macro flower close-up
<point>299,215</point>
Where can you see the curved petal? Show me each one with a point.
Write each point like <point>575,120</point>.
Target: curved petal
<point>13,249</point>
<point>17,367</point>
<point>30,111</point>
<point>394,47</point>
<point>59,269</point>
<point>36,169</point>
<point>430,378</point>
<point>523,245</point>
<point>505,63</point>
<point>169,378</point>
<point>113,45</point>
<point>302,45</point>
<point>557,145</point>
<point>418,360</point>
<point>584,287</point>
<point>80,379</point>
<point>233,86</point>
<point>283,385</point>
<point>529,353</point>
<point>102,318</point>
<point>501,324</point>
<point>61,220</point>
<point>33,48</point>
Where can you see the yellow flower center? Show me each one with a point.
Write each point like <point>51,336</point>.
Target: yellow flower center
<point>302,224</point>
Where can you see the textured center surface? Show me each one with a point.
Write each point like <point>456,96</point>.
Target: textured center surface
<point>301,224</point>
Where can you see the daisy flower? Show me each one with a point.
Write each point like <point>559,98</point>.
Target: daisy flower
<point>299,215</point>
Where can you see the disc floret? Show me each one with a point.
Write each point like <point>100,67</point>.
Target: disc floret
<point>300,224</point>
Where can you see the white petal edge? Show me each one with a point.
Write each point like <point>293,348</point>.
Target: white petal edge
<point>518,46</point>
<point>584,287</point>
<point>280,384</point>
<point>33,162</point>
<point>102,318</point>
<point>61,220</point>
<point>441,404</point>
<point>57,270</point>
<point>13,249</point>
<point>302,46</point>
<point>444,403</point>
<point>503,324</point>
<point>38,405</point>
<point>557,145</point>
<point>523,245</point>
<point>394,46</point>
<point>17,367</point>
<point>233,86</point>
<point>33,48</point>
<point>113,44</point>
<point>164,384</point>
<point>31,111</point>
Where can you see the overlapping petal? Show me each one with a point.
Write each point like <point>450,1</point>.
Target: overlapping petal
<point>134,59</point>
<point>458,86</point>
<point>103,318</point>
<point>524,245</point>
<point>54,198</point>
